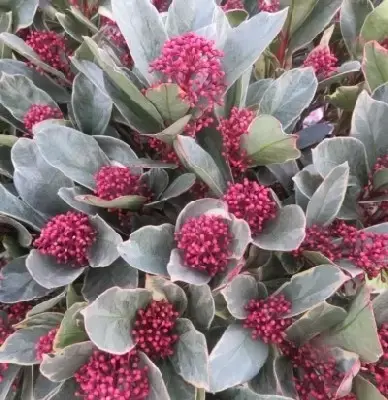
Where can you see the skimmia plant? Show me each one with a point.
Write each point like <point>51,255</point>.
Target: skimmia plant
<point>194,200</point>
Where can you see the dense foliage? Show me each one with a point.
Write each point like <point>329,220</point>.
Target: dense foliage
<point>194,200</point>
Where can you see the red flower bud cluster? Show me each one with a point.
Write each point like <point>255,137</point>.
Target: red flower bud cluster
<point>269,5</point>
<point>323,61</point>
<point>204,242</point>
<point>232,129</point>
<point>366,250</point>
<point>52,50</point>
<point>111,377</point>
<point>67,238</point>
<point>233,5</point>
<point>45,344</point>
<point>38,113</point>
<point>266,320</point>
<point>154,328</point>
<point>252,202</point>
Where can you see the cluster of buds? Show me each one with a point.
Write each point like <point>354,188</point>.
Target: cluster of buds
<point>269,5</point>
<point>45,344</point>
<point>323,61</point>
<point>38,113</point>
<point>266,318</point>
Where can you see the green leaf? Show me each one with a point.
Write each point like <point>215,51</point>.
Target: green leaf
<point>118,151</point>
<point>180,272</point>
<point>266,143</point>
<point>380,308</point>
<point>310,24</point>
<point>166,97</point>
<point>244,393</point>
<point>257,90</point>
<point>8,140</point>
<point>345,97</point>
<point>201,306</point>
<point>358,331</point>
<point>190,358</point>
<point>375,26</point>
<point>92,108</point>
<point>179,186</point>
<point>23,10</point>
<point>17,283</point>
<point>162,288</point>
<point>64,148</point>
<point>315,321</point>
<point>238,293</point>
<point>5,26</point>
<point>380,179</point>
<point>158,390</point>
<point>9,376</point>
<point>181,17</point>
<point>71,26</point>
<point>289,95</point>
<point>375,64</point>
<point>285,232</point>
<point>197,160</point>
<point>18,45</point>
<point>326,202</point>
<point>369,119</point>
<point>240,51</point>
<point>64,364</point>
<point>48,273</point>
<point>177,387</point>
<point>68,195</point>
<point>131,202</point>
<point>333,152</point>
<point>36,181</point>
<point>366,390</point>
<point>148,249</point>
<point>44,389</point>
<point>342,72</point>
<point>13,207</point>
<point>56,91</point>
<point>307,289</point>
<point>236,348</point>
<point>353,15</point>
<point>72,295</point>
<point>24,237</point>
<point>144,31</point>
<point>71,330</point>
<point>20,346</point>
<point>46,305</point>
<point>18,94</point>
<point>236,17</point>
<point>98,280</point>
<point>75,11</point>
<point>108,320</point>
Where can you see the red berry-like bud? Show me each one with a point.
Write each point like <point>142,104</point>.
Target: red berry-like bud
<point>204,242</point>
<point>266,318</point>
<point>154,328</point>
<point>322,60</point>
<point>269,5</point>
<point>111,377</point>
<point>38,113</point>
<point>45,344</point>
<point>232,129</point>
<point>51,49</point>
<point>252,202</point>
<point>67,238</point>
<point>233,5</point>
<point>194,64</point>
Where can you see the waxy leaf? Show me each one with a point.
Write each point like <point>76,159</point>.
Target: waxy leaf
<point>244,393</point>
<point>309,288</point>
<point>17,284</point>
<point>358,331</point>
<point>158,390</point>
<point>18,94</point>
<point>109,319</point>
<point>380,309</point>
<point>98,280</point>
<point>64,364</point>
<point>181,17</point>
<point>353,14</point>
<point>36,181</point>
<point>134,18</point>
<point>238,293</point>
<point>20,347</point>
<point>70,156</point>
<point>24,237</point>
<point>285,232</point>
<point>266,143</point>
<point>201,306</point>
<point>177,387</point>
<point>190,358</point>
<point>289,95</point>
<point>44,389</point>
<point>240,51</point>
<point>235,348</point>
<point>375,26</point>
<point>92,108</point>
<point>48,273</point>
<point>326,202</point>
<point>148,249</point>
<point>9,376</point>
<point>167,99</point>
<point>375,64</point>
<point>366,390</point>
